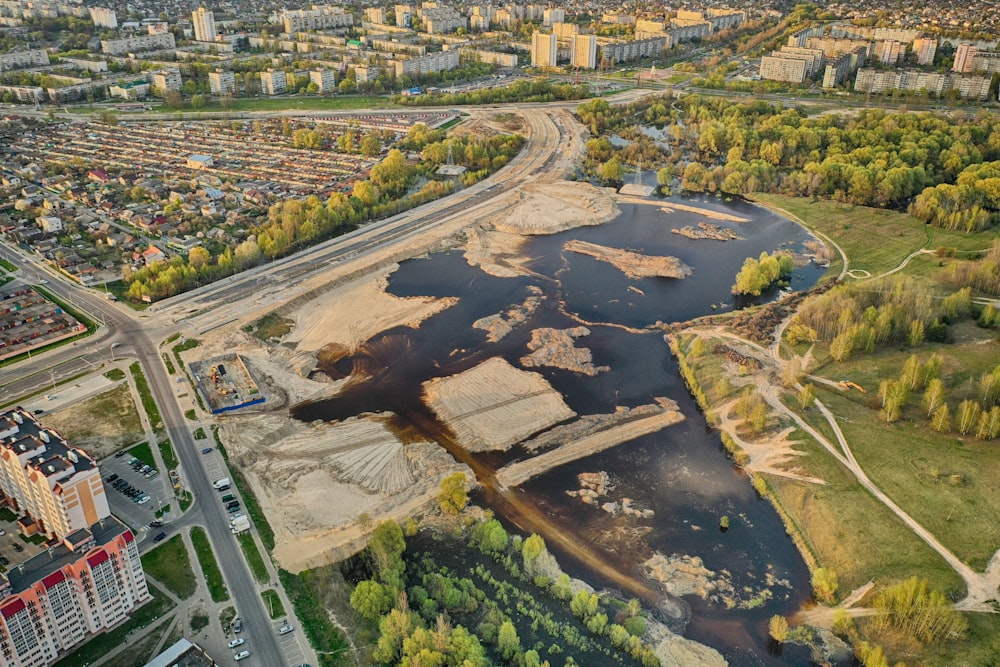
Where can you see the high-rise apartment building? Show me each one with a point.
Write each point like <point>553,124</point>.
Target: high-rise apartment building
<point>203,21</point>
<point>103,18</point>
<point>325,79</point>
<point>584,51</point>
<point>273,82</point>
<point>222,83</point>
<point>544,48</point>
<point>552,15</point>
<point>963,58</point>
<point>925,48</point>
<point>56,486</point>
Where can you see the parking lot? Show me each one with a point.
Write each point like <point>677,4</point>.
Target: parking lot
<point>125,507</point>
<point>11,541</point>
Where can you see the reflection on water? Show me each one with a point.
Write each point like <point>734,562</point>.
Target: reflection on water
<point>681,473</point>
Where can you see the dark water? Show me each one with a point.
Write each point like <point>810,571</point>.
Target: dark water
<point>681,473</point>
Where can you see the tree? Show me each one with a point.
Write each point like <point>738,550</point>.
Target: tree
<point>198,102</point>
<point>371,599</point>
<point>941,419</point>
<point>611,172</point>
<point>370,145</point>
<point>492,537</point>
<point>508,643</point>
<point>453,498</point>
<point>968,415</point>
<point>824,585</point>
<point>807,396</point>
<point>933,396</point>
<point>778,628</point>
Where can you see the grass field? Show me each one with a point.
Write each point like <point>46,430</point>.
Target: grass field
<point>100,424</point>
<point>143,452</point>
<point>170,564</point>
<point>148,402</point>
<point>285,103</point>
<point>167,454</point>
<point>273,603</point>
<point>209,565</point>
<point>853,228</point>
<point>254,560</point>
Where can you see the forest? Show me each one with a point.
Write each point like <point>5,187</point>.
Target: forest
<point>944,169</point>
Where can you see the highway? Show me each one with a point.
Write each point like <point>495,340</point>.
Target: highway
<point>139,333</point>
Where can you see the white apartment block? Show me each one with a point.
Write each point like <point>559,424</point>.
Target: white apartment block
<point>986,61</point>
<point>880,81</point>
<point>440,20</point>
<point>550,16</point>
<point>87,584</point>
<point>432,62</point>
<point>544,49</point>
<point>320,17</point>
<point>814,58</point>
<point>20,59</point>
<point>404,16</point>
<point>890,52</point>
<point>273,82</point>
<point>834,46</point>
<point>103,18</point>
<point>166,80</point>
<point>58,486</point>
<point>565,30</point>
<point>615,52</point>
<point>964,55</point>
<point>221,82</point>
<point>375,15</point>
<point>491,57</point>
<point>925,48</point>
<point>366,73</point>
<point>203,21</point>
<point>777,67</point>
<point>583,51</point>
<point>326,79</point>
<point>618,19</point>
<point>118,47</point>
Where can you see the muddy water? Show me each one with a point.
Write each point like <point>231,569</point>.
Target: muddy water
<point>681,473</point>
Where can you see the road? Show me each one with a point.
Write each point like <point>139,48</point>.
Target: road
<point>138,335</point>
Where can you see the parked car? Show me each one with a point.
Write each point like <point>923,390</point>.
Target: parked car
<point>120,453</point>
<point>207,450</point>
<point>18,548</point>
<point>142,500</point>
<point>242,654</point>
<point>239,641</point>
<point>112,477</point>
<point>232,504</point>
<point>4,561</point>
<point>285,629</point>
<point>238,625</point>
<point>155,524</point>
<point>160,537</point>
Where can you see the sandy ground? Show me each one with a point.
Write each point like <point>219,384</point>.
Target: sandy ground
<point>520,472</point>
<point>673,207</point>
<point>371,309</point>
<point>632,264</point>
<point>494,405</point>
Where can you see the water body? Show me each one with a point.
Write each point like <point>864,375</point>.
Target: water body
<point>682,472</point>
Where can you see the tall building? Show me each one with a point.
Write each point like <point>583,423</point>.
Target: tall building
<point>167,79</point>
<point>326,79</point>
<point>552,15</point>
<point>544,48</point>
<point>86,584</point>
<point>273,82</point>
<point>56,487</point>
<point>963,58</point>
<point>584,51</point>
<point>103,18</point>
<point>320,17</point>
<point>925,48</point>
<point>222,83</point>
<point>204,24</point>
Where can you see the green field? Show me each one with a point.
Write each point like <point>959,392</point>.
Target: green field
<point>853,228</point>
<point>143,452</point>
<point>170,564</point>
<point>167,454</point>
<point>209,565</point>
<point>273,604</point>
<point>254,560</point>
<point>148,402</point>
<point>285,103</point>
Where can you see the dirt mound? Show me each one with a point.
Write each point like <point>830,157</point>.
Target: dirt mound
<point>555,348</point>
<point>632,264</point>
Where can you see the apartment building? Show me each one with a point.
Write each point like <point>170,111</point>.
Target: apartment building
<point>129,90</point>
<point>616,52</point>
<point>320,17</point>
<point>925,48</point>
<point>834,46</point>
<point>404,16</point>
<point>57,487</point>
<point>552,15</point>
<point>565,30</point>
<point>118,47</point>
<point>86,584</point>
<point>491,57</point>
<point>986,61</point>
<point>375,15</point>
<point>326,79</point>
<point>583,51</point>
<point>273,82</point>
<point>840,68</point>
<point>432,62</point>
<point>221,82</point>
<point>964,55</point>
<point>890,51</point>
<point>166,80</point>
<point>440,20</point>
<point>777,67</point>
<point>544,49</point>
<point>20,59</point>
<point>103,18</point>
<point>878,81</point>
<point>203,21</point>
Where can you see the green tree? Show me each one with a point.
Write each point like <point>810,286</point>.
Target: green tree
<point>824,585</point>
<point>508,643</point>
<point>611,172</point>
<point>941,419</point>
<point>807,396</point>
<point>778,628</point>
<point>453,497</point>
<point>933,396</point>
<point>371,599</point>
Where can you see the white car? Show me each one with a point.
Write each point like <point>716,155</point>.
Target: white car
<point>285,629</point>
<point>242,654</point>
<point>143,500</point>
<point>2,531</point>
<point>237,642</point>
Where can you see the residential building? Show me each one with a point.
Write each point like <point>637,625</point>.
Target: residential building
<point>88,583</point>
<point>986,61</point>
<point>273,82</point>
<point>925,48</point>
<point>612,52</point>
<point>203,21</point>
<point>404,16</point>
<point>617,18</point>
<point>59,487</point>
<point>27,58</point>
<point>890,51</point>
<point>432,62</point>
<point>30,94</point>
<point>814,58</point>
<point>439,20</point>
<point>130,90</point>
<point>834,46</point>
<point>366,73</point>
<point>777,67</point>
<point>552,15</point>
<point>166,80</point>
<point>375,15</point>
<point>964,55</point>
<point>221,82</point>
<point>565,30</point>
<point>584,51</point>
<point>118,47</point>
<point>919,81</point>
<point>325,79</point>
<point>491,57</point>
<point>103,18</point>
<point>320,17</point>
<point>544,48</point>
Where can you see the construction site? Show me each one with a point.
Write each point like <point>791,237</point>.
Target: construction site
<point>226,383</point>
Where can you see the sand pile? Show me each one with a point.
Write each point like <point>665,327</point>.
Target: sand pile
<point>497,326</point>
<point>494,405</point>
<point>554,347</point>
<point>706,230</point>
<point>632,264</point>
<point>548,208</point>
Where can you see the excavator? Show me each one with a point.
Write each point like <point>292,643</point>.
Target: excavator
<point>847,384</point>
